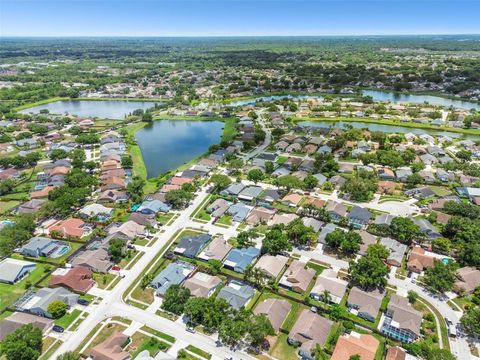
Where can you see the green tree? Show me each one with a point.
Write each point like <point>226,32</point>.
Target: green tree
<point>25,343</point>
<point>288,182</point>
<point>369,271</point>
<point>440,277</point>
<point>135,188</point>
<point>115,250</point>
<point>147,117</point>
<point>220,181</point>
<point>471,321</point>
<point>57,309</point>
<point>299,234</point>
<point>310,182</point>
<point>412,296</point>
<point>175,299</point>
<point>405,230</point>
<point>275,242</point>
<point>260,327</point>
<point>269,167</point>
<point>255,175</point>
<point>127,162</point>
<point>179,199</point>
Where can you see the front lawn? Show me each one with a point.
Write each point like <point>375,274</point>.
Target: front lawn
<point>68,318</point>
<point>103,280</point>
<point>282,349</point>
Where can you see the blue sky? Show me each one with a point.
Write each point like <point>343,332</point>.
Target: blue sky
<point>235,17</point>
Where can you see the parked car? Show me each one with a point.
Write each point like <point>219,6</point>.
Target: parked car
<point>58,328</point>
<point>190,329</point>
<point>83,302</point>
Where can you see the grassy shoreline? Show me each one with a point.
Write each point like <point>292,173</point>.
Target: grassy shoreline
<point>391,123</point>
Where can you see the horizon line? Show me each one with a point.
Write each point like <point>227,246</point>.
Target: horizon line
<point>235,36</point>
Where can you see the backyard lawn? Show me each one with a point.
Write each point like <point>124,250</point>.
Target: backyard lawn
<point>10,293</point>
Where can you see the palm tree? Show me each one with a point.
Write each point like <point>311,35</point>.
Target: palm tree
<point>326,298</point>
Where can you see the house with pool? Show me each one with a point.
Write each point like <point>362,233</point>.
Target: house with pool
<point>44,247</point>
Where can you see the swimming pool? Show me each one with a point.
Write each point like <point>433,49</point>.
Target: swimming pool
<point>61,250</point>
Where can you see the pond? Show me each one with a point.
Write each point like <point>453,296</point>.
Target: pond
<point>103,109</point>
<point>168,144</point>
<point>380,95</point>
<point>384,128</point>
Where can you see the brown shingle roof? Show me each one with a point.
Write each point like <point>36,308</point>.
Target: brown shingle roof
<point>310,329</point>
<point>276,311</point>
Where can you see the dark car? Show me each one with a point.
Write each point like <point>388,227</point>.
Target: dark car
<point>83,302</point>
<point>58,328</point>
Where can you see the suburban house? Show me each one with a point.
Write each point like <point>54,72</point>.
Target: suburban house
<point>358,217</point>
<point>419,260</point>
<point>336,210</point>
<point>239,211</point>
<point>69,228</point>
<point>364,304</point>
<point>397,251</point>
<point>96,260</point>
<point>111,348</point>
<point>384,219</point>
<point>312,223</point>
<point>153,207</point>
<point>174,274</point>
<point>112,196</point>
<point>96,211</point>
<point>363,345</point>
<point>39,246</point>
<point>328,281</point>
<point>468,279</point>
<point>218,208</point>
<point>202,285</point>
<point>292,200</point>
<point>284,219</point>
<point>126,231</point>
<point>271,265</point>
<point>77,279</point>
<point>276,310</point>
<point>260,215</point>
<point>297,277</point>
<point>216,250</point>
<point>233,189</point>
<point>236,293</point>
<point>367,240</point>
<point>37,302</point>
<point>402,322</point>
<point>18,319</point>
<point>239,259</point>
<point>31,207</point>
<point>190,246</point>
<point>309,330</point>
<point>14,270</point>
<point>250,193</point>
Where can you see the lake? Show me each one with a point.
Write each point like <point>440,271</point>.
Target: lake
<point>380,95</point>
<point>103,109</point>
<point>253,101</point>
<point>377,95</point>
<point>384,128</point>
<point>168,144</point>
